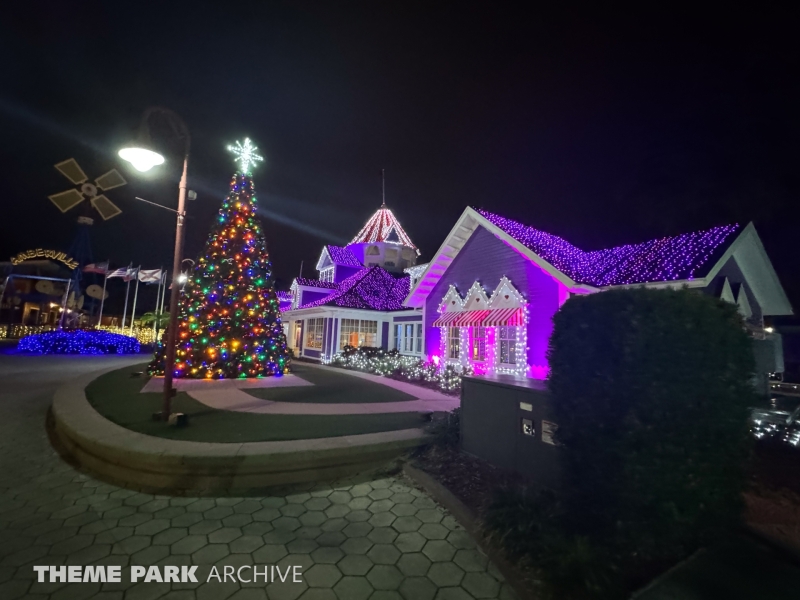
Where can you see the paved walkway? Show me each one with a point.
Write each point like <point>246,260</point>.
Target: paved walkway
<point>376,539</point>
<point>229,394</point>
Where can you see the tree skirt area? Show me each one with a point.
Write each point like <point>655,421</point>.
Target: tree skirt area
<point>118,397</point>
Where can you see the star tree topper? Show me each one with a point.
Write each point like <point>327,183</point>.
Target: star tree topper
<point>245,154</point>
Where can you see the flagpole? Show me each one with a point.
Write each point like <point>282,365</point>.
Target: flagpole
<point>127,293</point>
<point>158,293</point>
<point>103,296</point>
<point>135,296</point>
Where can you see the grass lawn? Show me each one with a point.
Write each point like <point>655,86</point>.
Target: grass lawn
<point>116,395</point>
<point>330,387</point>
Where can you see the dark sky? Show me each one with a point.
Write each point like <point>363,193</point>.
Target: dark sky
<point>602,127</point>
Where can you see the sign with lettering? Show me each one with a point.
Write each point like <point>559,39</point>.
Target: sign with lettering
<point>41,253</point>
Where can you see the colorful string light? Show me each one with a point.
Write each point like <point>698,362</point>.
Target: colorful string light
<point>230,320</point>
<point>78,341</point>
<point>665,259</point>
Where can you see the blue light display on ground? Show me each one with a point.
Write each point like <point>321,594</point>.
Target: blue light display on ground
<point>78,342</point>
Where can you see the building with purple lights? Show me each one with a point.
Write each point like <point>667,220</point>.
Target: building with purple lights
<point>357,298</point>
<point>489,293</point>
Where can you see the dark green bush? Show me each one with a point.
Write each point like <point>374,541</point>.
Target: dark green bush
<point>650,390</point>
<point>447,430</point>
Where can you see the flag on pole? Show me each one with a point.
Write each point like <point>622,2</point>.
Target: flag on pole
<point>131,274</point>
<point>118,273</point>
<point>150,276</point>
<point>96,268</point>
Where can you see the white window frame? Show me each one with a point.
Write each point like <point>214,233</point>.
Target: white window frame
<point>327,274</point>
<point>365,329</point>
<point>454,343</point>
<point>315,333</point>
<point>408,338</point>
<point>509,335</point>
<point>478,344</point>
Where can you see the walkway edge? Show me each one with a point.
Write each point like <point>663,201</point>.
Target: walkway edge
<point>469,520</point>
<point>179,467</point>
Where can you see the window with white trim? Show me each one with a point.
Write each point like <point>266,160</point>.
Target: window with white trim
<point>408,338</point>
<point>479,344</point>
<point>326,274</point>
<point>315,329</point>
<point>507,342</point>
<point>358,332</point>
<point>453,342</point>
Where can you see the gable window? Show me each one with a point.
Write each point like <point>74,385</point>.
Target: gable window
<point>479,344</point>
<point>453,342</point>
<point>326,274</point>
<point>507,337</point>
<point>373,251</point>
<point>358,332</point>
<point>314,333</point>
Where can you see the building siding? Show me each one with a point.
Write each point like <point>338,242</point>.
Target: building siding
<point>486,259</point>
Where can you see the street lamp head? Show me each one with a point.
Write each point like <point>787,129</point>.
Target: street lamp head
<point>142,158</point>
<point>182,278</point>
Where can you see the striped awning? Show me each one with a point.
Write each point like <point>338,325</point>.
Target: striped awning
<point>502,316</point>
<point>470,318</point>
<point>446,319</point>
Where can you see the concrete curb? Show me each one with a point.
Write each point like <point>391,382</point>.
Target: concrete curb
<point>179,467</point>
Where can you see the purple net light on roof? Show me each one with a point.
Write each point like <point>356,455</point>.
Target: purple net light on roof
<point>666,259</point>
<point>343,256</point>
<point>373,289</point>
<point>328,285</point>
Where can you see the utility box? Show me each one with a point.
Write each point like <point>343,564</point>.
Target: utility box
<point>508,422</point>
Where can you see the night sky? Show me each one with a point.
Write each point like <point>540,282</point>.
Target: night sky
<point>601,127</point>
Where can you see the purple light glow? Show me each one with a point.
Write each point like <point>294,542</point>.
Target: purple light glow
<point>328,285</point>
<point>665,259</point>
<point>373,289</point>
<point>343,256</point>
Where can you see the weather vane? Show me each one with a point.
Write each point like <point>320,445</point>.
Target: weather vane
<point>246,154</point>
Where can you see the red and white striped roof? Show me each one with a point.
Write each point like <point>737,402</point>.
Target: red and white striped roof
<point>380,228</point>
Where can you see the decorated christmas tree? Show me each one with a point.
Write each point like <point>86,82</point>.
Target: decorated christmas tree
<point>229,321</point>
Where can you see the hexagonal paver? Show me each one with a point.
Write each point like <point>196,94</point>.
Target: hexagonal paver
<point>353,588</point>
<point>270,554</point>
<point>384,519</point>
<point>360,503</point>
<point>248,506</point>
<point>359,529</point>
<point>471,560</point>
<point>380,494</point>
<point>414,565</point>
<point>480,585</point>
<point>383,554</point>
<point>445,574</point>
<point>331,538</point>
<point>406,524</point>
<point>292,510</point>
<point>402,497</point>
<point>246,544</point>
<point>334,524</point>
<point>322,576</point>
<point>385,577</point>
<point>317,504</point>
<point>417,588</point>
<point>410,542</point>
<point>266,514</point>
<point>302,546</point>
<point>355,564</point>
<point>189,544</point>
<point>224,535</point>
<point>340,497</point>
<point>356,545</point>
<point>461,540</point>
<point>313,518</point>
<point>434,531</point>
<point>327,555</point>
<point>237,520</point>
<point>404,510</point>
<point>298,498</point>
<point>382,535</point>
<point>286,523</point>
<point>210,554</point>
<point>380,506</point>
<point>361,489</point>
<point>439,550</point>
